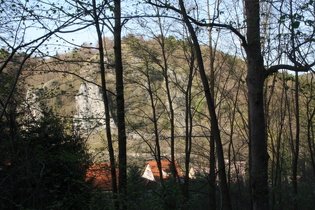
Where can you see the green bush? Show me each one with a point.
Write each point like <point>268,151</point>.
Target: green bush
<point>47,168</point>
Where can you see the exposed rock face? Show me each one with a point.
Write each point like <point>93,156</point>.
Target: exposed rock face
<point>90,114</point>
<point>90,109</point>
<point>32,103</point>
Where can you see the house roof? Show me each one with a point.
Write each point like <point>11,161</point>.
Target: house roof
<point>101,176</point>
<point>151,171</point>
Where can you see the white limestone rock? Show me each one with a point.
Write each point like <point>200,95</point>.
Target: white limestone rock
<point>90,115</point>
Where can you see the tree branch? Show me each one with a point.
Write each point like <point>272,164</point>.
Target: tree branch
<point>276,68</point>
<point>198,23</point>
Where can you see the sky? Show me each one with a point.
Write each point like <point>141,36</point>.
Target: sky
<point>230,13</point>
<point>129,7</point>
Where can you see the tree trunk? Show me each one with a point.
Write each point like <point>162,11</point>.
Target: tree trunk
<point>225,196</point>
<point>258,143</point>
<point>122,140</point>
<point>157,148</point>
<point>188,123</point>
<point>256,75</point>
<point>212,174</point>
<point>106,107</point>
<point>296,147</point>
<point>165,70</point>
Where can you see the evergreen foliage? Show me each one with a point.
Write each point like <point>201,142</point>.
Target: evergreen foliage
<point>43,167</point>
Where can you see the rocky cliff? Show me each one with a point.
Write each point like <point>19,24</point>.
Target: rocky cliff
<point>90,114</point>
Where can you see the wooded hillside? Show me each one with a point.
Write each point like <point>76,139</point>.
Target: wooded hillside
<point>228,101</point>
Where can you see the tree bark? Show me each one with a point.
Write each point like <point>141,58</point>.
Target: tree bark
<point>212,174</point>
<point>122,140</point>
<point>188,122</point>
<point>296,147</point>
<point>106,107</point>
<point>165,70</point>
<point>225,196</point>
<point>157,148</point>
<point>256,75</point>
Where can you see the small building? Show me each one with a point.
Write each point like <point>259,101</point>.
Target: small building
<point>151,172</point>
<point>100,175</point>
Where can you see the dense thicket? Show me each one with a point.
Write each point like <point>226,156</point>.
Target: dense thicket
<point>43,166</point>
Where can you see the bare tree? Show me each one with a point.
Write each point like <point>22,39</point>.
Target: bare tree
<point>226,203</point>
<point>96,16</point>
<point>18,19</point>
<point>256,75</point>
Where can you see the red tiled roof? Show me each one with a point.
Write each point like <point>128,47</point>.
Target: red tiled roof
<point>166,169</point>
<point>101,176</point>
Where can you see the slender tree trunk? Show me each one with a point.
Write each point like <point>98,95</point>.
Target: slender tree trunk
<point>297,144</point>
<point>165,70</point>
<point>231,145</point>
<point>212,174</point>
<point>277,167</point>
<point>171,115</point>
<point>106,106</point>
<point>122,140</point>
<point>188,124</point>
<point>255,82</point>
<point>226,202</point>
<point>157,149</point>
